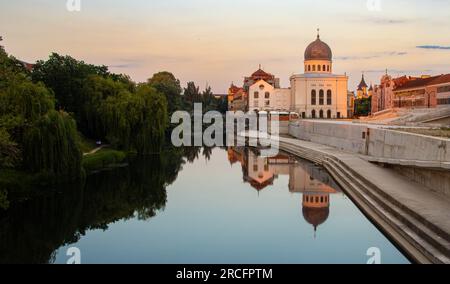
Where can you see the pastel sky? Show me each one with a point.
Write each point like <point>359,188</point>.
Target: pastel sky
<point>217,42</point>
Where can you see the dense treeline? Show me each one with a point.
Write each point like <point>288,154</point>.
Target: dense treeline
<point>107,107</point>
<point>34,136</point>
<point>43,111</point>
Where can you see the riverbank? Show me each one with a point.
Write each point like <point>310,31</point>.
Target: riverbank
<point>414,218</point>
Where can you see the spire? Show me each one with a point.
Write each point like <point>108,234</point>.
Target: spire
<point>363,83</point>
<point>318,33</point>
<point>259,66</point>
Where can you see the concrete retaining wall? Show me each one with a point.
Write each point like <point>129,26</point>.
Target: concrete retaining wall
<point>373,141</point>
<point>340,136</point>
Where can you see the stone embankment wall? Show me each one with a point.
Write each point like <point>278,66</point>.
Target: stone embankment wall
<point>373,141</point>
<point>429,156</point>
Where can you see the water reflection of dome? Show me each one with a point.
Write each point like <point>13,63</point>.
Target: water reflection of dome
<point>316,208</point>
<point>316,216</point>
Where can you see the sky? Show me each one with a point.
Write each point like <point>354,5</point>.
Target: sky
<point>218,42</point>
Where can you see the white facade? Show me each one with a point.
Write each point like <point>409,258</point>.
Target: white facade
<point>319,95</point>
<point>264,97</point>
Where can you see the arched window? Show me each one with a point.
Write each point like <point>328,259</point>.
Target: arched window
<point>329,98</point>
<point>319,68</point>
<point>313,97</point>
<point>256,95</point>
<point>329,114</point>
<point>314,68</point>
<point>324,68</point>
<point>328,68</point>
<point>267,95</point>
<point>321,97</point>
<point>321,113</point>
<point>313,113</point>
<point>309,68</point>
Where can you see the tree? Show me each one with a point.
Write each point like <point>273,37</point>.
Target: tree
<point>169,86</point>
<point>9,152</point>
<point>192,95</point>
<point>66,77</point>
<point>51,146</point>
<point>136,121</point>
<point>47,139</point>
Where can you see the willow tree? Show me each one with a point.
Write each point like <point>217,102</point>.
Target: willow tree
<point>51,146</point>
<point>47,139</point>
<point>136,121</point>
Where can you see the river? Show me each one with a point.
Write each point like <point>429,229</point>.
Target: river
<point>196,205</point>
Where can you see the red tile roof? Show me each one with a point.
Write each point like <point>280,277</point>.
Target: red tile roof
<point>416,83</point>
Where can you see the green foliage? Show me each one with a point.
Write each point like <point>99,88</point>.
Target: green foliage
<point>103,159</point>
<point>51,146</point>
<point>363,106</point>
<point>166,84</point>
<point>9,152</point>
<point>66,77</point>
<point>111,107</point>
<point>136,121</point>
<point>86,144</point>
<point>29,125</point>
<point>96,91</point>
<point>192,95</point>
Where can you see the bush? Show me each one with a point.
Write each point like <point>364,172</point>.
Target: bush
<point>103,159</point>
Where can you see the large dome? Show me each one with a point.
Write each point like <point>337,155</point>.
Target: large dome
<point>318,50</point>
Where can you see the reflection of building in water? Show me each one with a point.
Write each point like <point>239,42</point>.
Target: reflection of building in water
<point>313,182</point>
<point>260,172</point>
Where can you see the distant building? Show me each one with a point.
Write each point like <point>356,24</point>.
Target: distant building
<point>231,93</point>
<point>383,94</point>
<point>265,97</point>
<point>427,92</point>
<point>317,93</point>
<point>259,75</point>
<point>240,100</point>
<point>350,104</point>
<point>363,90</point>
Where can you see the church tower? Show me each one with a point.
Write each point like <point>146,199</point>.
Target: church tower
<point>362,89</point>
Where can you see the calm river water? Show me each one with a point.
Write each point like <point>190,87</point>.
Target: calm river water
<point>196,205</point>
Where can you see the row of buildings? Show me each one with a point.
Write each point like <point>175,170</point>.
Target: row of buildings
<point>319,93</point>
<point>411,92</point>
<point>315,93</point>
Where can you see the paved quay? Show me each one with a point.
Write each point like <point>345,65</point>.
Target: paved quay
<point>416,219</point>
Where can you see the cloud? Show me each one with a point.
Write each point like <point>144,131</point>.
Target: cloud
<point>372,56</point>
<point>397,71</point>
<point>382,20</point>
<point>433,47</point>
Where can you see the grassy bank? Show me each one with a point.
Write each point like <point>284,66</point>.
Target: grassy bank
<point>103,159</point>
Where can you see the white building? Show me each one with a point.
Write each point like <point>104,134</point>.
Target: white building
<point>317,93</point>
<point>263,96</point>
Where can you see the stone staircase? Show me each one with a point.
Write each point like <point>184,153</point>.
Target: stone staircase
<point>424,241</point>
